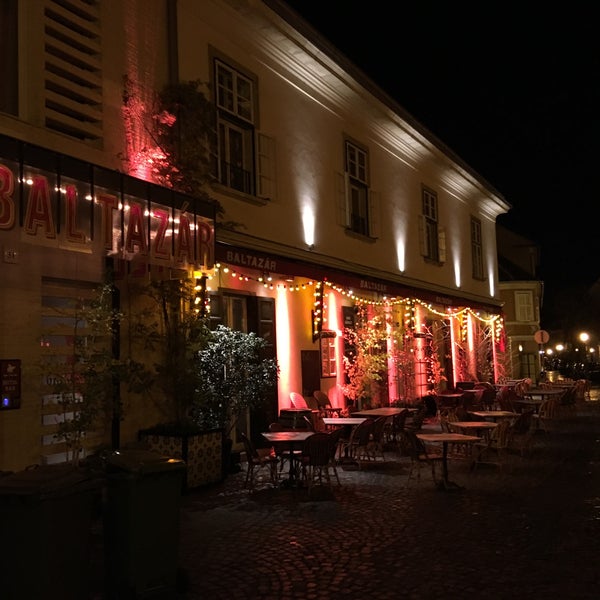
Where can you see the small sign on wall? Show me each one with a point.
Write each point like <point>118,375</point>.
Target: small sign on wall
<point>10,383</point>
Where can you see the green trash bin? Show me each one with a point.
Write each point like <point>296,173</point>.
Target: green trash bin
<point>141,530</point>
<point>46,518</point>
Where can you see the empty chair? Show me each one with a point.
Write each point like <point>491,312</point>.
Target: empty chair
<point>297,400</point>
<point>488,395</point>
<point>258,459</point>
<point>462,414</point>
<point>357,447</point>
<point>494,450</point>
<point>416,422</point>
<point>395,427</point>
<point>317,459</point>
<point>421,455</point>
<point>377,441</point>
<point>507,399</point>
<point>521,432</point>
<point>335,440</point>
<point>284,451</point>
<point>324,404</point>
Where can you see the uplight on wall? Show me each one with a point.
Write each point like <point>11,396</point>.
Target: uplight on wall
<point>308,223</point>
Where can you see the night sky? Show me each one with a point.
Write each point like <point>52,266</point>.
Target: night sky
<point>512,88</point>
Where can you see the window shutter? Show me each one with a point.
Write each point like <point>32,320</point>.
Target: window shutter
<point>423,236</point>
<point>374,214</point>
<point>442,245</point>
<point>524,306</point>
<point>343,210</point>
<point>266,167</point>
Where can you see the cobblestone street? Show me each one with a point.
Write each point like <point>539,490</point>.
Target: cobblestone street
<point>529,530</point>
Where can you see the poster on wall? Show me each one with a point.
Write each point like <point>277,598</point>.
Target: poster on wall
<point>10,383</point>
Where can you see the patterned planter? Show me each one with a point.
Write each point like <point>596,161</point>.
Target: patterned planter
<point>202,453</point>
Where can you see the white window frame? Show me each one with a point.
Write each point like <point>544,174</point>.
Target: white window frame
<point>235,88</point>
<point>524,308</point>
<point>477,249</point>
<point>360,202</point>
<point>235,96</point>
<point>432,247</point>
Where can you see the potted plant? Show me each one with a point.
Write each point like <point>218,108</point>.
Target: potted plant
<point>367,362</point>
<point>234,377</point>
<point>170,333</point>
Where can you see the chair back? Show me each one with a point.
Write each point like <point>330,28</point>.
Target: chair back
<point>445,424</point>
<point>398,422</point>
<point>462,414</point>
<point>507,398</point>
<point>417,421</point>
<point>335,437</point>
<point>309,423</point>
<point>377,429</point>
<point>322,399</point>
<point>298,400</point>
<point>522,424</point>
<point>317,449</point>
<point>362,433</point>
<point>488,396</point>
<point>499,436</point>
<point>249,448</point>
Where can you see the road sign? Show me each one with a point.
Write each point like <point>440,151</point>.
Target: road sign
<point>541,336</point>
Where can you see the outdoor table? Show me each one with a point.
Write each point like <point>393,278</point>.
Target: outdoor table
<point>494,414</point>
<point>445,439</point>
<point>449,400</point>
<point>535,397</point>
<point>478,427</point>
<point>292,439</point>
<point>343,420</point>
<point>383,411</point>
<point>348,423</point>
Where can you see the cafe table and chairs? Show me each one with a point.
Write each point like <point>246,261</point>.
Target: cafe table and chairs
<point>535,397</point>
<point>292,439</point>
<point>445,439</point>
<point>348,424</point>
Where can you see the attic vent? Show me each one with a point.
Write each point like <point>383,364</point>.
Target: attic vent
<point>72,68</point>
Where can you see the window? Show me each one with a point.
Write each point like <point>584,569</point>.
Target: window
<point>476,249</point>
<point>358,202</point>
<point>432,238</point>
<point>235,98</point>
<point>524,306</point>
<point>328,358</point>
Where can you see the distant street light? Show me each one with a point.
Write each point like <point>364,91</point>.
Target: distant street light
<point>585,337</point>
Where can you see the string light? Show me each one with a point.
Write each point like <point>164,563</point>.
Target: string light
<point>494,320</point>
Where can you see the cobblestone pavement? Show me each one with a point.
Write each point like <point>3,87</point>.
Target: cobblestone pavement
<point>530,530</point>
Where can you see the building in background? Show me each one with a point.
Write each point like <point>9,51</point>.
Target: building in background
<point>522,292</point>
<point>339,211</point>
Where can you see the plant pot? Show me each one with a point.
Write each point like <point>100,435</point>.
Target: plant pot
<point>202,453</point>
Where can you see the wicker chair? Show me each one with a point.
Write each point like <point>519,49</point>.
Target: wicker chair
<point>521,433</point>
<point>317,460</point>
<point>494,450</point>
<point>357,446</point>
<point>258,459</point>
<point>421,455</point>
<point>324,404</point>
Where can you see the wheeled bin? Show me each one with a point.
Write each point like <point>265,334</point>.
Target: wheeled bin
<point>141,531</point>
<point>46,516</point>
